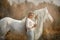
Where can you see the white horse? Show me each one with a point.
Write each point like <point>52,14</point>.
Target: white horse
<point>43,15</point>
<point>18,26</point>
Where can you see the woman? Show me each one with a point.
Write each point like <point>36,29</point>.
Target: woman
<point>30,25</point>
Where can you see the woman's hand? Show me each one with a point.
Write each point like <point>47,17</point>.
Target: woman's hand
<point>36,17</point>
<point>35,25</point>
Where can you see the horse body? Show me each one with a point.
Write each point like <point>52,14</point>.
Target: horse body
<point>18,26</point>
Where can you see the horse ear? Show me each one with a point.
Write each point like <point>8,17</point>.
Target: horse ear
<point>50,17</point>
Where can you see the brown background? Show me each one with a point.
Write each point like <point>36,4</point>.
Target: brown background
<point>19,11</point>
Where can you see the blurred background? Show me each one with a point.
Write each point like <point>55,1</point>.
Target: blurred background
<point>18,9</point>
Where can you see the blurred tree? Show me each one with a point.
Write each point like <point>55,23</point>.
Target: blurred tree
<point>4,8</point>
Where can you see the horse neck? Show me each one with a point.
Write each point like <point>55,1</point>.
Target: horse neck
<point>40,25</point>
